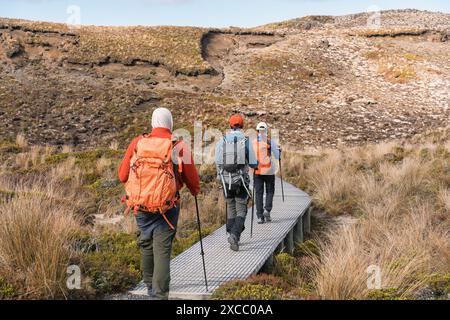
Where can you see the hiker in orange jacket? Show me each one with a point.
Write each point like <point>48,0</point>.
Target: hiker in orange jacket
<point>157,219</point>
<point>267,150</point>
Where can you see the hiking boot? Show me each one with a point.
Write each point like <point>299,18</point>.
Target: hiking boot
<point>267,216</point>
<point>234,243</point>
<point>261,220</point>
<point>150,292</point>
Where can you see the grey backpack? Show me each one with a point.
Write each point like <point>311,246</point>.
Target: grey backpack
<point>233,165</point>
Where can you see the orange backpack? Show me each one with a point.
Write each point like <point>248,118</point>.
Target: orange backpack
<point>263,155</point>
<point>152,185</point>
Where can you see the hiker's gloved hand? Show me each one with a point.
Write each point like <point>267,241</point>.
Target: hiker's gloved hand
<point>195,194</point>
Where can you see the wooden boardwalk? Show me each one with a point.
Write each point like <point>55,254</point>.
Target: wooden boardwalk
<point>290,220</point>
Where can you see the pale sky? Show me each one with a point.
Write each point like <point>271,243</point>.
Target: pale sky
<point>205,13</point>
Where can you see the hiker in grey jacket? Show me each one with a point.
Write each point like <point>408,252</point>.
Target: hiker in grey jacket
<point>234,156</point>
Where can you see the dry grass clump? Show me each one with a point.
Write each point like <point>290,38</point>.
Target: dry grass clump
<point>401,73</point>
<point>406,248</point>
<point>444,197</point>
<point>400,194</point>
<point>44,203</point>
<point>211,205</point>
<point>395,67</point>
<point>59,207</point>
<point>36,228</point>
<point>21,141</point>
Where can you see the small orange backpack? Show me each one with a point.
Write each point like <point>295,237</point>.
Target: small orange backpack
<point>264,156</point>
<point>152,185</point>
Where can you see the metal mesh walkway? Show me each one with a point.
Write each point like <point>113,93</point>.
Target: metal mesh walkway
<point>222,264</point>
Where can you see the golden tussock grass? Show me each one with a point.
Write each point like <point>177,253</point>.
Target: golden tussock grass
<point>398,191</point>
<point>21,141</point>
<point>396,67</point>
<point>400,194</point>
<point>36,226</point>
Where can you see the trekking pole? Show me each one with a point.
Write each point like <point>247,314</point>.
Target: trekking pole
<point>201,243</point>
<point>225,194</point>
<point>281,176</point>
<point>253,207</point>
<point>226,216</point>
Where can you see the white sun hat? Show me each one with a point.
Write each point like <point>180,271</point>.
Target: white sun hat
<point>262,126</point>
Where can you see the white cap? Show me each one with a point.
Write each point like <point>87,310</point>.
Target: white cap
<point>262,126</point>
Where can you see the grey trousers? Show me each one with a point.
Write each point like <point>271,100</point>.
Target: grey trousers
<point>155,258</point>
<point>155,241</point>
<point>237,213</point>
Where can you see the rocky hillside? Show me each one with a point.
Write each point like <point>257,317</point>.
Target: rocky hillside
<point>320,80</point>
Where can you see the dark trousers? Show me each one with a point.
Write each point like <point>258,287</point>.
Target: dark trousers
<point>155,241</point>
<point>269,182</point>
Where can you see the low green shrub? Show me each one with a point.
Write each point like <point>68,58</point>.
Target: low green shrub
<point>286,267</point>
<point>263,287</point>
<point>112,262</point>
<point>6,290</point>
<point>385,294</point>
<point>440,284</point>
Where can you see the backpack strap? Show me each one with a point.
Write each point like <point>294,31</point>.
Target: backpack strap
<point>235,150</point>
<point>247,148</point>
<point>167,220</point>
<point>178,166</point>
<point>144,135</point>
<point>224,150</point>
<point>258,153</point>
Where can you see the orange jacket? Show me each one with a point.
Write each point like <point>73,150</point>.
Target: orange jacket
<point>189,174</point>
